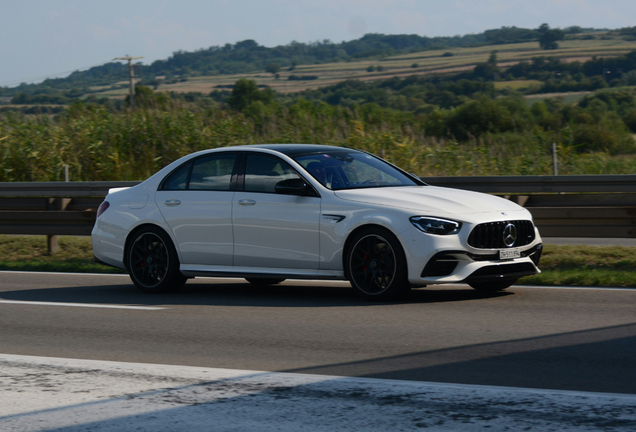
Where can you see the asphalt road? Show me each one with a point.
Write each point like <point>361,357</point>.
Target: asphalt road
<point>567,339</point>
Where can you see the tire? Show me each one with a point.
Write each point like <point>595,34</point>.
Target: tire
<point>152,261</point>
<point>376,265</point>
<point>264,281</point>
<point>494,286</point>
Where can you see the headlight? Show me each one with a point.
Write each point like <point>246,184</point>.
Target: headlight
<point>432,225</point>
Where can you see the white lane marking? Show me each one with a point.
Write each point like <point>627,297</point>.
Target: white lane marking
<point>103,395</point>
<point>575,287</point>
<point>63,273</point>
<point>86,305</point>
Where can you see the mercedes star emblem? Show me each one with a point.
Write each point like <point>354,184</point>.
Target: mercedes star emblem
<point>510,235</point>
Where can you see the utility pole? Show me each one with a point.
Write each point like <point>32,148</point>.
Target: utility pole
<point>131,74</point>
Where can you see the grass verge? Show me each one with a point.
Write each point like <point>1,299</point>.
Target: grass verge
<point>613,266</point>
<point>30,253</point>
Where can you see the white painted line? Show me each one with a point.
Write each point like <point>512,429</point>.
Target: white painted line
<point>85,305</point>
<point>54,393</point>
<point>576,287</point>
<point>62,273</point>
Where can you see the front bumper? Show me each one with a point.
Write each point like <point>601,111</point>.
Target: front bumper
<point>449,259</point>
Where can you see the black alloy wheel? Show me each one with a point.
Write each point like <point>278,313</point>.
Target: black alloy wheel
<point>376,265</point>
<point>153,263</point>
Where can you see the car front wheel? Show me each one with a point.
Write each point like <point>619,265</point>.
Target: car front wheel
<point>376,265</point>
<point>153,263</point>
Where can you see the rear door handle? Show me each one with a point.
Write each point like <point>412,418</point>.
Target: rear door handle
<point>247,202</point>
<point>172,202</point>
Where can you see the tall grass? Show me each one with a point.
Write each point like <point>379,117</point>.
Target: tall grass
<point>99,144</point>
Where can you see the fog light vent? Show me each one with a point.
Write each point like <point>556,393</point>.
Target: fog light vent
<point>440,265</point>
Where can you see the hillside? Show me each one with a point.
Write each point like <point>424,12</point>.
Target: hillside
<point>420,63</point>
<point>387,55</point>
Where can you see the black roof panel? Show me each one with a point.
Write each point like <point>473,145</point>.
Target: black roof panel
<point>293,150</point>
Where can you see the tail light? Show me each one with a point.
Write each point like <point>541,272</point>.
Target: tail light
<point>102,208</point>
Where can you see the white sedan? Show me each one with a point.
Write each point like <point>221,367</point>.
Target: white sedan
<point>272,212</point>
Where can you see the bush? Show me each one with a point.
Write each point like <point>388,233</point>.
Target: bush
<point>608,135</point>
<point>302,77</point>
<point>630,120</point>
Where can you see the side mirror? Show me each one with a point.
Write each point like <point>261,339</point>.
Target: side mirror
<point>293,187</point>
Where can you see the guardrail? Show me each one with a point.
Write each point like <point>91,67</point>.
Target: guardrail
<point>539,184</point>
<point>52,208</point>
<point>601,206</point>
<point>562,206</point>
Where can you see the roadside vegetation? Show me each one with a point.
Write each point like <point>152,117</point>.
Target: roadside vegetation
<point>462,121</point>
<point>613,266</point>
<point>484,135</point>
<point>30,253</point>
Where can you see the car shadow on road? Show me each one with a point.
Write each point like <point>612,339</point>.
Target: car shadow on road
<point>240,293</point>
<point>597,359</point>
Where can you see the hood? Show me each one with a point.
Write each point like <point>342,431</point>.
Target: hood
<point>429,200</point>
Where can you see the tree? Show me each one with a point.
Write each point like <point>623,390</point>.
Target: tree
<point>493,58</point>
<point>245,92</point>
<point>543,28</point>
<point>273,68</point>
<point>145,96</point>
<point>548,40</point>
<point>487,70</point>
<point>574,30</point>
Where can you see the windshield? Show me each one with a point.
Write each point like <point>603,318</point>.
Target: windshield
<point>349,170</point>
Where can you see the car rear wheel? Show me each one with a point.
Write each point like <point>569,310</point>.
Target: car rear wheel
<point>498,285</point>
<point>153,263</point>
<point>264,281</point>
<point>376,265</point>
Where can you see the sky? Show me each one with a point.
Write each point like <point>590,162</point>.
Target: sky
<point>52,38</point>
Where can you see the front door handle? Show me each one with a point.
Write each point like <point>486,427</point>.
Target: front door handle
<point>247,202</point>
<point>172,202</point>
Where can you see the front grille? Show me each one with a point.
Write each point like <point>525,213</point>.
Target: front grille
<point>490,235</point>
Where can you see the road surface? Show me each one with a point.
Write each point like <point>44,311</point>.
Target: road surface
<point>564,339</point>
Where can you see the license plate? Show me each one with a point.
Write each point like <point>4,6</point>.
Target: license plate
<point>509,254</point>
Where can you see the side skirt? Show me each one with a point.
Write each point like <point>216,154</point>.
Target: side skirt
<point>255,272</point>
